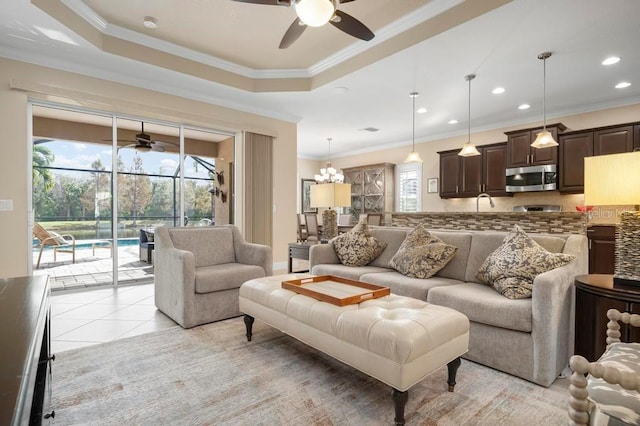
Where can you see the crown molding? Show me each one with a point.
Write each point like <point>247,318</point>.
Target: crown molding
<point>428,11</point>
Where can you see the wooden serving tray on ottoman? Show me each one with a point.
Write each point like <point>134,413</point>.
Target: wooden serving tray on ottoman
<point>336,290</point>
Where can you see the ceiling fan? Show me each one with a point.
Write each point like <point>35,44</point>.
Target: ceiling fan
<point>144,143</point>
<point>316,13</point>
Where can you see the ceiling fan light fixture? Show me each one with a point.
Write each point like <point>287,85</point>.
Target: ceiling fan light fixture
<point>315,13</point>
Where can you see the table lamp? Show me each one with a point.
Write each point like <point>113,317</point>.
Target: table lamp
<point>615,180</point>
<point>330,195</point>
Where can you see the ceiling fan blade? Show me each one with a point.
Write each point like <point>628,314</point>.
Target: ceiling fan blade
<point>293,33</point>
<point>345,1</point>
<point>156,147</point>
<point>352,26</point>
<point>267,2</point>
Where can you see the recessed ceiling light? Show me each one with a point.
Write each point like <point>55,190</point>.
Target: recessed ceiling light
<point>370,129</point>
<point>611,60</point>
<point>498,90</point>
<point>421,110</point>
<point>150,22</point>
<point>524,106</point>
<point>453,121</point>
<point>340,90</point>
<point>623,84</point>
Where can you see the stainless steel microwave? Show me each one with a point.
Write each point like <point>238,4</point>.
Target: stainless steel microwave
<point>532,178</point>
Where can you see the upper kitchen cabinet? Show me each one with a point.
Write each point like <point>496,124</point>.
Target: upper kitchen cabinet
<point>575,146</point>
<point>462,177</point>
<point>520,153</point>
<point>636,136</point>
<point>613,140</point>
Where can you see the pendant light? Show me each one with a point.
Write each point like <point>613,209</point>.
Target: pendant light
<point>414,156</point>
<point>544,138</point>
<point>469,149</point>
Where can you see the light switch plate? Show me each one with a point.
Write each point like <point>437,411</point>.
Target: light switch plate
<point>6,205</point>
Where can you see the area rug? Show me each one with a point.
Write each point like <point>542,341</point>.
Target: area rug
<point>210,375</point>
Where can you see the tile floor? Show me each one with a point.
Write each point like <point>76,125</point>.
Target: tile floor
<point>87,317</point>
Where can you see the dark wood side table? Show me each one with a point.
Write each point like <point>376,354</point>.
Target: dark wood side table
<point>298,251</point>
<point>595,295</point>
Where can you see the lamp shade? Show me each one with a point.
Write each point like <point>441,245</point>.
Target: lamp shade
<point>331,195</point>
<point>468,150</point>
<point>612,179</point>
<point>544,139</point>
<point>413,157</point>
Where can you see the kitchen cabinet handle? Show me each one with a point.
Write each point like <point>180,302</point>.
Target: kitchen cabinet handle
<point>532,158</point>
<point>589,244</point>
<point>456,189</point>
<point>480,187</point>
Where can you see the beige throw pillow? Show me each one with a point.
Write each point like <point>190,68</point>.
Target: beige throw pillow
<point>511,268</point>
<point>422,254</point>
<point>358,247</point>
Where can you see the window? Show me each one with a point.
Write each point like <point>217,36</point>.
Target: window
<point>409,187</point>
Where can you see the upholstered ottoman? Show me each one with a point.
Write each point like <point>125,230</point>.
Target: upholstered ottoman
<point>395,339</point>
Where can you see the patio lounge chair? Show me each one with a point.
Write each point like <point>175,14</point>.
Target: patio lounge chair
<point>60,243</point>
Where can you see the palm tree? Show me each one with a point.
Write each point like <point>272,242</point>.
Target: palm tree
<point>42,157</point>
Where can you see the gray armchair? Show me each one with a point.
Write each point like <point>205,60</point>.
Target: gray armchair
<point>198,271</point>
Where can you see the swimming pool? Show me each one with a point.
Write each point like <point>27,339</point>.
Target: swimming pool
<point>86,244</point>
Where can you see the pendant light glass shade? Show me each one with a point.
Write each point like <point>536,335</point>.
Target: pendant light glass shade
<point>544,138</point>
<point>329,174</point>
<point>469,149</point>
<point>315,13</point>
<point>413,156</point>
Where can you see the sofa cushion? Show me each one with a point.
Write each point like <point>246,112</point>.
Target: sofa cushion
<point>358,247</point>
<point>511,268</point>
<point>406,286</point>
<point>225,276</point>
<point>482,304</point>
<point>485,242</point>
<point>349,272</point>
<point>457,266</point>
<point>421,254</point>
<point>394,238</point>
<point>209,245</point>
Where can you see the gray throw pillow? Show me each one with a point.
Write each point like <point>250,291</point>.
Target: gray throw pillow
<point>357,247</point>
<point>511,268</point>
<point>422,254</point>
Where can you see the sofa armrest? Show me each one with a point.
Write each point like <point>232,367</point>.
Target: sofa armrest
<point>321,254</point>
<point>553,313</point>
<point>255,254</point>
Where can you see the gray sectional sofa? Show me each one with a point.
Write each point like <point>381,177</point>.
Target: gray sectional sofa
<point>529,338</point>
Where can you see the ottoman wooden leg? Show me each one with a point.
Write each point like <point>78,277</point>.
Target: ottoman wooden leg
<point>248,323</point>
<point>453,369</point>
<point>399,401</point>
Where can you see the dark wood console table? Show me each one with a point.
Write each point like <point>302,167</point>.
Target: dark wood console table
<point>298,251</point>
<point>25,358</point>
<point>595,295</point>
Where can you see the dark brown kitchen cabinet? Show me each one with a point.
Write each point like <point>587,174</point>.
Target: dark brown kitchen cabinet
<point>636,137</point>
<point>469,176</point>
<point>574,147</point>
<point>602,243</point>
<point>520,153</point>
<point>613,141</point>
<point>449,174</point>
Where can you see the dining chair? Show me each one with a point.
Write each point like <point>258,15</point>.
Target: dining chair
<point>302,231</point>
<point>311,220</point>
<point>344,219</point>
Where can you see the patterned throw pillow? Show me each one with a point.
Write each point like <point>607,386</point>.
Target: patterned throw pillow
<point>357,247</point>
<point>422,254</point>
<point>511,268</point>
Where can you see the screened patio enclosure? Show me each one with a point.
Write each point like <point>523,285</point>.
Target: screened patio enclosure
<point>98,175</point>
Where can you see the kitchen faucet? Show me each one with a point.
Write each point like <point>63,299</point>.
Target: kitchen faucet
<point>483,195</point>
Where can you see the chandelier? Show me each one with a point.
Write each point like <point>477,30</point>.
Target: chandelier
<point>329,174</point>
